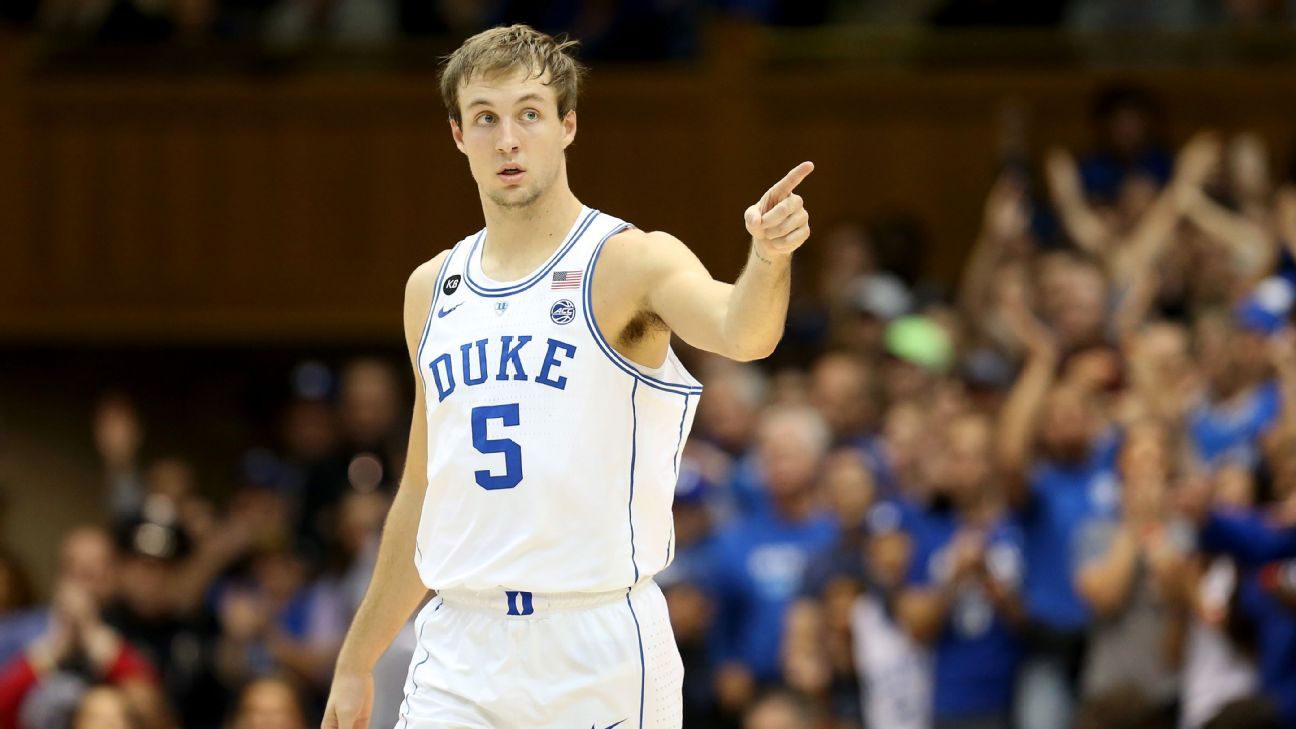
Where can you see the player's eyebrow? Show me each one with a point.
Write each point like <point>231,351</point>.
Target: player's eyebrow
<point>531,97</point>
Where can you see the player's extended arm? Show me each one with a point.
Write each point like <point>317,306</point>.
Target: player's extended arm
<point>743,320</point>
<point>395,589</point>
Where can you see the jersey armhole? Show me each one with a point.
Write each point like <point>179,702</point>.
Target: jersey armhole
<point>615,357</point>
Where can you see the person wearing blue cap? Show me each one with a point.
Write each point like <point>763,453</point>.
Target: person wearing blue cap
<point>1241,402</point>
<point>1250,537</point>
<point>1258,541</point>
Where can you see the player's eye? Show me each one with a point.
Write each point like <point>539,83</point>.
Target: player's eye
<point>487,118</point>
<point>530,115</point>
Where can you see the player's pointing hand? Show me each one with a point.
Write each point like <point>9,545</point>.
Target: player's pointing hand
<point>779,223</point>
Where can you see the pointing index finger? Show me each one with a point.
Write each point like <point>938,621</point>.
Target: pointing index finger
<point>785,186</point>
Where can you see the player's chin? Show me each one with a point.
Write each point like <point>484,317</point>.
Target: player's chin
<point>515,196</point>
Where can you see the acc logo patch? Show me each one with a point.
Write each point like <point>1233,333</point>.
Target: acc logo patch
<point>562,311</point>
<point>451,285</point>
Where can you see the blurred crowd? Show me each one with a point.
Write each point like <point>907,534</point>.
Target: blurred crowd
<point>609,29</point>
<point>179,613</point>
<point>1061,494</point>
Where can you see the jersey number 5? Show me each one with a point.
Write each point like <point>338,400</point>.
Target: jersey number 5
<point>481,417</point>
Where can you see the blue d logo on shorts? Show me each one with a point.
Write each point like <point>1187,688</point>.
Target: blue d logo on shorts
<point>562,311</point>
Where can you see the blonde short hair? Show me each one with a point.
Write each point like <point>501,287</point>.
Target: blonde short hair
<point>514,47</point>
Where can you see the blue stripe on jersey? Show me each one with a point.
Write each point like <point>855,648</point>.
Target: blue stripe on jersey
<point>642,670</point>
<point>427,324</point>
<point>670,541</point>
<point>602,343</point>
<point>679,449</point>
<point>519,287</point>
<point>634,446</point>
<point>679,444</point>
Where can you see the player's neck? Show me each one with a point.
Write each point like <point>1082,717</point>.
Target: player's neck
<point>518,232</point>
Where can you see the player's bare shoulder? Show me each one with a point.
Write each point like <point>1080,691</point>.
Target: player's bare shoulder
<point>636,260</point>
<point>423,277</point>
<point>419,290</point>
<point>642,247</point>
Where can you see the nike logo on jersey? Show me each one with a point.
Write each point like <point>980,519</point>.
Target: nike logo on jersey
<point>609,726</point>
<point>445,311</point>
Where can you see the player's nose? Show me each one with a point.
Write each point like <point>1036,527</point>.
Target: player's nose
<point>507,139</point>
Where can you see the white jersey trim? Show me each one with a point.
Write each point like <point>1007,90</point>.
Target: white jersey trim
<point>582,224</point>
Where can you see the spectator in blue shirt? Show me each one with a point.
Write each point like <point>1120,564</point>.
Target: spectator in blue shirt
<point>1259,540</point>
<point>1268,597</point>
<point>683,584</point>
<point>1059,472</point>
<point>1241,403</point>
<point>1127,121</point>
<point>962,597</point>
<point>817,656</point>
<point>723,433</point>
<point>1247,536</point>
<point>1251,537</point>
<point>760,560</point>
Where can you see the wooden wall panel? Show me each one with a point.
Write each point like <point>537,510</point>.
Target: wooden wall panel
<point>227,208</point>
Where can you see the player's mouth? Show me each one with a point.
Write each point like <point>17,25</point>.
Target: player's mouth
<point>510,174</point>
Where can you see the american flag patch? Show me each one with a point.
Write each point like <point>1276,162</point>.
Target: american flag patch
<point>566,279</point>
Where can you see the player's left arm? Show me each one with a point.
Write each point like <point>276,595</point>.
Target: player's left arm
<point>743,320</point>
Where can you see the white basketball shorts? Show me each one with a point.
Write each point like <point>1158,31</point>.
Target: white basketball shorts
<point>516,660</point>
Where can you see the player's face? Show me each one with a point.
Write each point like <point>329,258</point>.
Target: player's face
<point>513,136</point>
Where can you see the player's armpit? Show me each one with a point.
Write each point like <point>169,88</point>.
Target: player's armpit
<point>664,277</point>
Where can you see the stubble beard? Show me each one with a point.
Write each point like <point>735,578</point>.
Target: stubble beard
<point>526,200</point>
<point>521,199</point>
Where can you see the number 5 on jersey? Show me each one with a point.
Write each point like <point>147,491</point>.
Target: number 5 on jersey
<point>481,417</point>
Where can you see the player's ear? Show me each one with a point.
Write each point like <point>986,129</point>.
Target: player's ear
<point>569,128</point>
<point>457,133</point>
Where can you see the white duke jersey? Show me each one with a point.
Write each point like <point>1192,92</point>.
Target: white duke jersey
<point>551,458</point>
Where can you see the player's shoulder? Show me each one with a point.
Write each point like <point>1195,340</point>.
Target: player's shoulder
<point>421,286</point>
<point>635,238</point>
<point>422,280</point>
<point>637,248</point>
<point>419,290</point>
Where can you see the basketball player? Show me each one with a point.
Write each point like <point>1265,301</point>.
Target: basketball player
<point>548,420</point>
